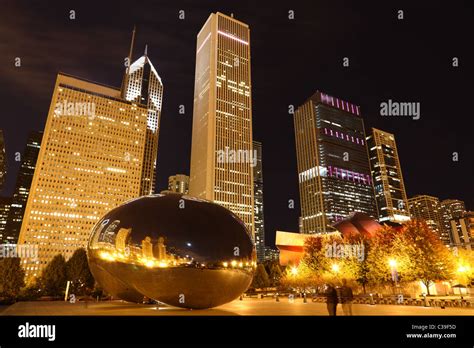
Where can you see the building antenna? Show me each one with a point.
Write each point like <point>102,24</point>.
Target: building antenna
<point>129,63</point>
<point>146,50</point>
<point>131,50</point>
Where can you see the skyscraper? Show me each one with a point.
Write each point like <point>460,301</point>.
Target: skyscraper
<point>333,165</point>
<point>258,203</point>
<point>142,85</point>
<point>22,188</point>
<point>390,195</point>
<point>221,163</point>
<point>451,209</point>
<point>272,254</point>
<point>428,208</point>
<point>462,231</point>
<point>178,183</point>
<point>90,161</point>
<point>3,161</point>
<point>5,203</point>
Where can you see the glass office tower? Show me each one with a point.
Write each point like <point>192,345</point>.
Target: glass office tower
<point>258,199</point>
<point>22,188</point>
<point>428,209</point>
<point>390,195</point>
<point>333,164</point>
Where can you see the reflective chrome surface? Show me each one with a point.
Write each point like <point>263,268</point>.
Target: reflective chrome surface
<point>172,248</point>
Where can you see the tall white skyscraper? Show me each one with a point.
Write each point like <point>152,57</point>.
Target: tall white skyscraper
<point>221,169</point>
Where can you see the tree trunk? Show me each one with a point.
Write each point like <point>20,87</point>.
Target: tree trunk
<point>427,284</point>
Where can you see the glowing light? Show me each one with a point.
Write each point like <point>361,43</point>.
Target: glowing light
<point>233,37</point>
<point>340,104</point>
<point>106,256</point>
<point>116,170</point>
<point>335,267</point>
<point>294,271</point>
<point>149,263</point>
<point>233,263</point>
<point>204,42</point>
<point>225,264</point>
<point>392,263</point>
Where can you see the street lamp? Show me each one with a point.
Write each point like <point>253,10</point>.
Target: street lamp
<point>461,271</point>
<point>393,266</point>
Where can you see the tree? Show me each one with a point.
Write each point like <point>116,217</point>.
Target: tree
<point>357,266</point>
<point>299,278</point>
<point>315,259</point>
<point>11,277</point>
<point>381,250</point>
<point>30,292</point>
<point>326,259</point>
<point>79,274</point>
<point>260,279</point>
<point>426,258</point>
<point>53,279</point>
<point>275,274</point>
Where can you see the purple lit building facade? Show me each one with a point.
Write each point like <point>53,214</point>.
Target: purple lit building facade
<point>333,163</point>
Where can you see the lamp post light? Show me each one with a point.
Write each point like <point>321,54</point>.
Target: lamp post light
<point>392,263</point>
<point>393,266</point>
<point>294,271</point>
<point>461,271</point>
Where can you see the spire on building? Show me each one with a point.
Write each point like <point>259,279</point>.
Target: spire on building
<point>131,50</point>
<point>129,64</point>
<point>143,85</point>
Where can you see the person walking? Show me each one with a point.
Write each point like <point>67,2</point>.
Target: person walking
<point>331,299</point>
<point>346,298</point>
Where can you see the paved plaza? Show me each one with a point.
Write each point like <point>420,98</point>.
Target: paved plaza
<point>248,306</point>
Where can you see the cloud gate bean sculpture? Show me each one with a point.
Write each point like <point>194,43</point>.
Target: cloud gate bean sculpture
<point>173,248</point>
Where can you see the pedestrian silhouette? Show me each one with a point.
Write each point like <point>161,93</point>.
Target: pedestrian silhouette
<point>331,299</point>
<point>346,298</point>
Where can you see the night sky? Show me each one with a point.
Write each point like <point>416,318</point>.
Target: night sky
<point>407,60</point>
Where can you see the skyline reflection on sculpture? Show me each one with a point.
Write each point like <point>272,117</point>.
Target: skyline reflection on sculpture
<point>118,247</point>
